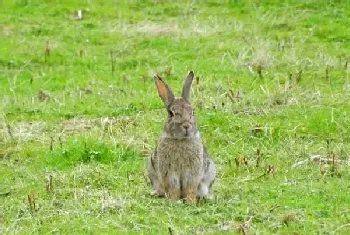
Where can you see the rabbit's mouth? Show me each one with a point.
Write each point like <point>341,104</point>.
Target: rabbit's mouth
<point>182,135</point>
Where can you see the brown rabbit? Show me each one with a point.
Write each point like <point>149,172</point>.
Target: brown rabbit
<point>180,167</point>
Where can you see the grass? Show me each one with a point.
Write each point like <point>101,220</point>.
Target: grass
<point>273,90</point>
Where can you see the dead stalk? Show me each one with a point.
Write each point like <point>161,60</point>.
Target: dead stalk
<point>112,54</point>
<point>47,51</point>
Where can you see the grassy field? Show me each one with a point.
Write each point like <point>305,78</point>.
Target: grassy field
<point>79,114</point>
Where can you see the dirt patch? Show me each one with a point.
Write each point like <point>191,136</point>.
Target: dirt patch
<point>6,30</point>
<point>158,29</point>
<point>75,125</point>
<point>26,131</point>
<point>23,130</point>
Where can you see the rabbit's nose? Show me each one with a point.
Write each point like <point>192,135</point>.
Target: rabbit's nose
<point>186,126</point>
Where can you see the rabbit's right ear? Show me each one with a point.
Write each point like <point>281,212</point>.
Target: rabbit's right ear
<point>164,90</point>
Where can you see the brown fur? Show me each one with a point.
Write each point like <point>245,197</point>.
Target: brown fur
<point>180,166</point>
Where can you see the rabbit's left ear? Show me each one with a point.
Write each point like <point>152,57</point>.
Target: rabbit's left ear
<point>186,90</point>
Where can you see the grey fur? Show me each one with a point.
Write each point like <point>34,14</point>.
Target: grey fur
<point>180,166</point>
<point>186,90</point>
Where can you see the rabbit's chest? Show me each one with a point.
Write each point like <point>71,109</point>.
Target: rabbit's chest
<point>180,155</point>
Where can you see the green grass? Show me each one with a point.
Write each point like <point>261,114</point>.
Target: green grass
<point>93,132</point>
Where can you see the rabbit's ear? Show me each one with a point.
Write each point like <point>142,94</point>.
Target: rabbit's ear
<point>164,90</point>
<point>186,90</point>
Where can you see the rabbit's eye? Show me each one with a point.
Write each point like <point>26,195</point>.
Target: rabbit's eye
<point>171,113</point>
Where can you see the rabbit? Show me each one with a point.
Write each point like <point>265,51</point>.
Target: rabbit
<point>180,166</point>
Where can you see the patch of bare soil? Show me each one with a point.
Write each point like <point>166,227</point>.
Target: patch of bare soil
<point>26,131</point>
